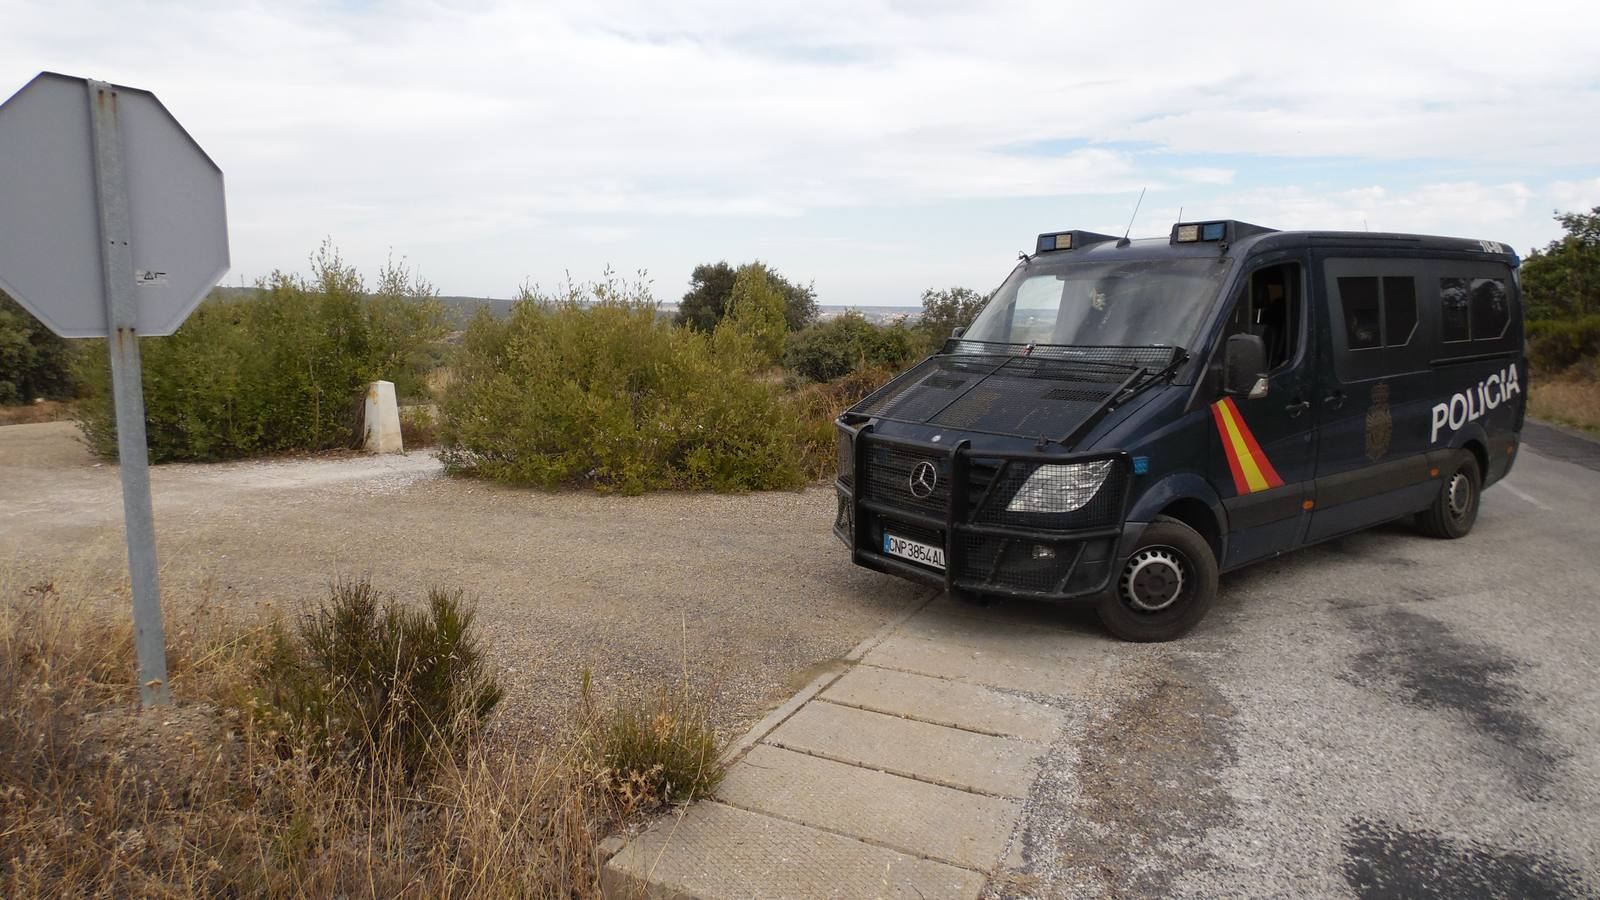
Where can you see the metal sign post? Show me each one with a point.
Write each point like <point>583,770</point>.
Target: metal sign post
<point>127,387</point>
<point>113,224</point>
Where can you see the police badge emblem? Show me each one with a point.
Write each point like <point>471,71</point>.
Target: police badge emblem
<point>1380,425</point>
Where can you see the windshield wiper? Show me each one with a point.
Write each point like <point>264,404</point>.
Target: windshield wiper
<point>1130,387</point>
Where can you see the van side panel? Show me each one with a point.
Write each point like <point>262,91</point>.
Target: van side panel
<point>1406,376</point>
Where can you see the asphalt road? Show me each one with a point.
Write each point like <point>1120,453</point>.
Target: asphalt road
<point>1384,715</point>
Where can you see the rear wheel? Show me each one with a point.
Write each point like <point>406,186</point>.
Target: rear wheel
<point>1165,587</point>
<point>1456,508</point>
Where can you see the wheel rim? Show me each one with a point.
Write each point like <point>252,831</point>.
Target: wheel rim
<point>1155,579</point>
<point>1460,497</point>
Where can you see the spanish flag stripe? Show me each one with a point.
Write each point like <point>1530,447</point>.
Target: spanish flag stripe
<point>1239,483</point>
<point>1262,462</point>
<point>1251,469</point>
<point>1254,480</point>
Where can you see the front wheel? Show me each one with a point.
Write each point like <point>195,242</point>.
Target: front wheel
<point>1165,587</point>
<point>1454,511</point>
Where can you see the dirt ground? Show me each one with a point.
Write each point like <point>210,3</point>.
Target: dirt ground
<point>750,592</point>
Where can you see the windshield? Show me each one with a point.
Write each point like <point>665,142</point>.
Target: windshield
<point>1129,303</point>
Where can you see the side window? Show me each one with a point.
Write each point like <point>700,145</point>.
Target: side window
<point>1272,308</point>
<point>1490,309</point>
<point>1376,321</point>
<point>1473,309</point>
<point>1399,310</point>
<point>1365,306</point>
<point>1455,323</point>
<point>1358,298</point>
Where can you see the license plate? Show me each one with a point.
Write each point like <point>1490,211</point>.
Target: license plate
<point>916,551</point>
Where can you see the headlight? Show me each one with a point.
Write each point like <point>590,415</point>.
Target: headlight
<point>1056,488</point>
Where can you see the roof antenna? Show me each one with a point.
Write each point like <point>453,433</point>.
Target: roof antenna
<point>1365,225</point>
<point>1125,242</point>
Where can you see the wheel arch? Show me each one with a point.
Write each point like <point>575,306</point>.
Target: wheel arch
<point>1189,499</point>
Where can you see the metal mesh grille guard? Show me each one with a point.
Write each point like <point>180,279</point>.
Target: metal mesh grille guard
<point>1007,389</point>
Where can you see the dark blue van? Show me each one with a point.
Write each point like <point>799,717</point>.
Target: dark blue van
<point>1126,419</point>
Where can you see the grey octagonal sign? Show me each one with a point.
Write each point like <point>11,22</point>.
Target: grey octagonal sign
<point>50,225</point>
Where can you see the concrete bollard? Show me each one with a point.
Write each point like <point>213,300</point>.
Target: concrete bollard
<point>382,430</point>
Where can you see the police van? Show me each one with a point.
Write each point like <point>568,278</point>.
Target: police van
<point>1128,418</point>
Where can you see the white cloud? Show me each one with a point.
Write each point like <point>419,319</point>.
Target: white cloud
<point>445,127</point>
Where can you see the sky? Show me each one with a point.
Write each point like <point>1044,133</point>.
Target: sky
<point>872,148</point>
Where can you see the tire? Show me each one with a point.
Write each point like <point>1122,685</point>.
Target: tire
<point>1454,511</point>
<point>1138,606</point>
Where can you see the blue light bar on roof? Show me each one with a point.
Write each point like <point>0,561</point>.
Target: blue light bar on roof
<point>1069,240</point>
<point>1199,232</point>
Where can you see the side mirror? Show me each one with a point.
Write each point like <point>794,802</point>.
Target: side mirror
<point>957,332</point>
<point>1243,360</point>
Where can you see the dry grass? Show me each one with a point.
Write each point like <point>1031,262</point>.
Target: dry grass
<point>818,404</point>
<point>419,426</point>
<point>37,411</point>
<point>197,799</point>
<point>1570,401</point>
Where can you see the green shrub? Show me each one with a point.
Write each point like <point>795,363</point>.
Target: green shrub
<point>34,363</point>
<point>364,678</point>
<point>276,369</point>
<point>592,388</point>
<point>754,328</point>
<point>660,749</point>
<point>711,292</point>
<point>1556,345</point>
<point>835,348</point>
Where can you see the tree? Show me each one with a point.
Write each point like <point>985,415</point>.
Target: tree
<point>1563,280</point>
<point>33,361</point>
<point>711,287</point>
<point>754,323</point>
<point>945,311</point>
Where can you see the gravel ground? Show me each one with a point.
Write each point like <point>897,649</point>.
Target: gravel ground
<point>749,591</point>
<point>1380,716</point>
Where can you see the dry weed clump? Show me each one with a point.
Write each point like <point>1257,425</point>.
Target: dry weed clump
<point>817,405</point>
<point>1571,401</point>
<point>220,795</point>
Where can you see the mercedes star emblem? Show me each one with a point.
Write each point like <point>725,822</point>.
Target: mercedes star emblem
<point>923,480</point>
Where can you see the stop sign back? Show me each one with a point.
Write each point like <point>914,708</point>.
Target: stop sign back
<point>50,230</point>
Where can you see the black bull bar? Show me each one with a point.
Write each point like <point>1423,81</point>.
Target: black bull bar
<point>988,548</point>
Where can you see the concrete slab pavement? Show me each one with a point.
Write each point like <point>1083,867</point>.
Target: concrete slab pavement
<point>902,774</point>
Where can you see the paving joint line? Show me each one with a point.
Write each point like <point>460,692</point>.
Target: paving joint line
<point>770,722</point>
<point>865,840</point>
<point>910,718</point>
<point>911,776</point>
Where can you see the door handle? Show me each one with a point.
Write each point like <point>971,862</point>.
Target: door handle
<point>1297,407</point>
<point>1334,400</point>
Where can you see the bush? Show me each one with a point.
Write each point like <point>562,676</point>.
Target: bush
<point>1556,345</point>
<point>591,388</point>
<point>368,680</point>
<point>845,343</point>
<point>278,369</point>
<point>34,363</point>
